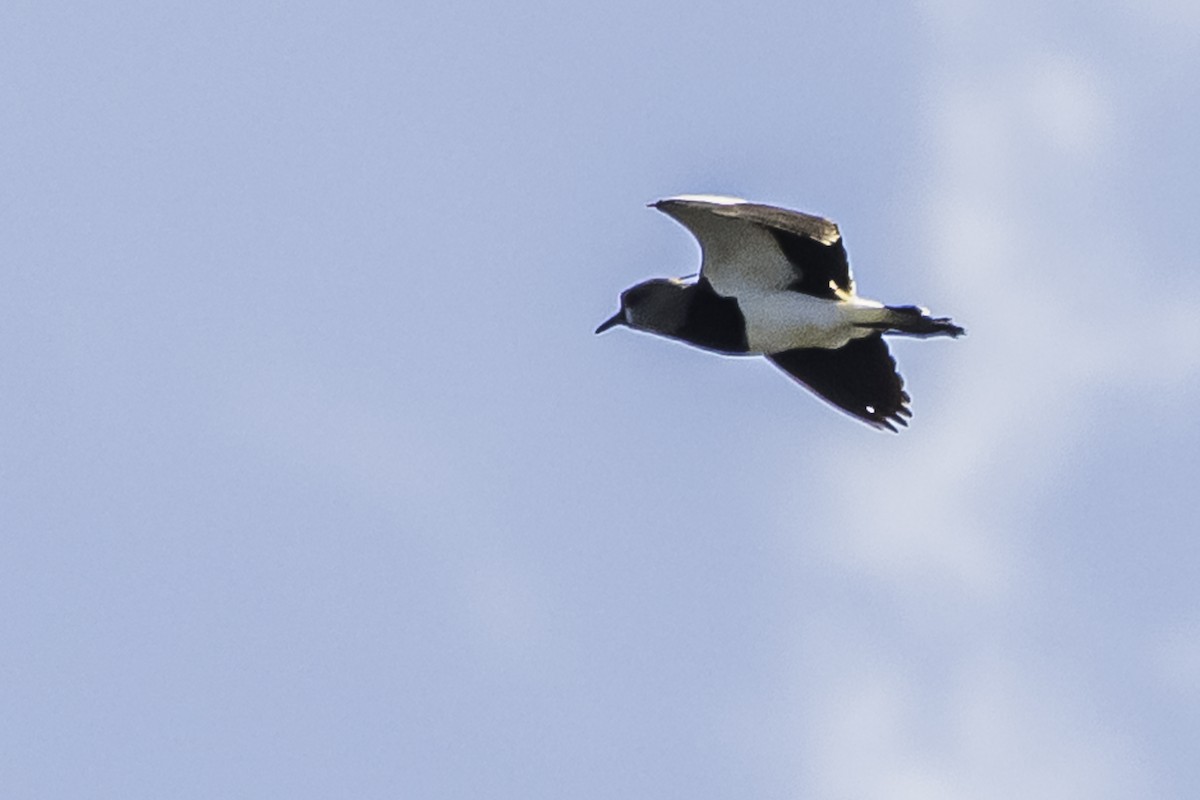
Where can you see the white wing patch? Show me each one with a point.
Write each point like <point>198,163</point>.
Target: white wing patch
<point>715,199</point>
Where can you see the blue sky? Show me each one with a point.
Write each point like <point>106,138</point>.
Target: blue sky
<point>315,482</point>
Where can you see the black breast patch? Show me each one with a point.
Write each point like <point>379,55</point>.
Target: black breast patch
<point>714,322</point>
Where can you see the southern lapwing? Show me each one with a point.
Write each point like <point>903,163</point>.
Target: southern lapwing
<point>777,283</point>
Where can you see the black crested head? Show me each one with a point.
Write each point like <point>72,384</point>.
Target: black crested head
<point>635,298</point>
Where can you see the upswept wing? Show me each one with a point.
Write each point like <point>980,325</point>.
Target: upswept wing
<point>860,378</point>
<point>786,249</point>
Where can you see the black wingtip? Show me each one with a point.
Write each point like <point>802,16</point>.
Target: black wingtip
<point>859,378</point>
<point>899,417</point>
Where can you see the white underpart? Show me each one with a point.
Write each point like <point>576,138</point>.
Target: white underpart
<point>743,260</point>
<point>777,321</point>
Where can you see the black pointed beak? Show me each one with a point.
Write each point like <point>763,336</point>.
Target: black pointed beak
<point>616,319</point>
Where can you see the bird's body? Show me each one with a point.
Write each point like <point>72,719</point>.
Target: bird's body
<point>777,283</point>
<point>785,320</point>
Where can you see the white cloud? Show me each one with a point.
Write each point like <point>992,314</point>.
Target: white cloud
<point>854,719</point>
<point>941,516</point>
<point>946,503</point>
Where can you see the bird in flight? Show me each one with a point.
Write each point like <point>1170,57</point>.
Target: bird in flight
<point>777,283</point>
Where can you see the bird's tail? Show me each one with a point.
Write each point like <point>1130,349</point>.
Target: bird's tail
<point>915,321</point>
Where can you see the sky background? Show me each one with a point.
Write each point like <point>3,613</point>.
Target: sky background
<point>314,481</point>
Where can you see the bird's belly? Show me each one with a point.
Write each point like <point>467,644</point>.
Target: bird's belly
<point>778,321</point>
